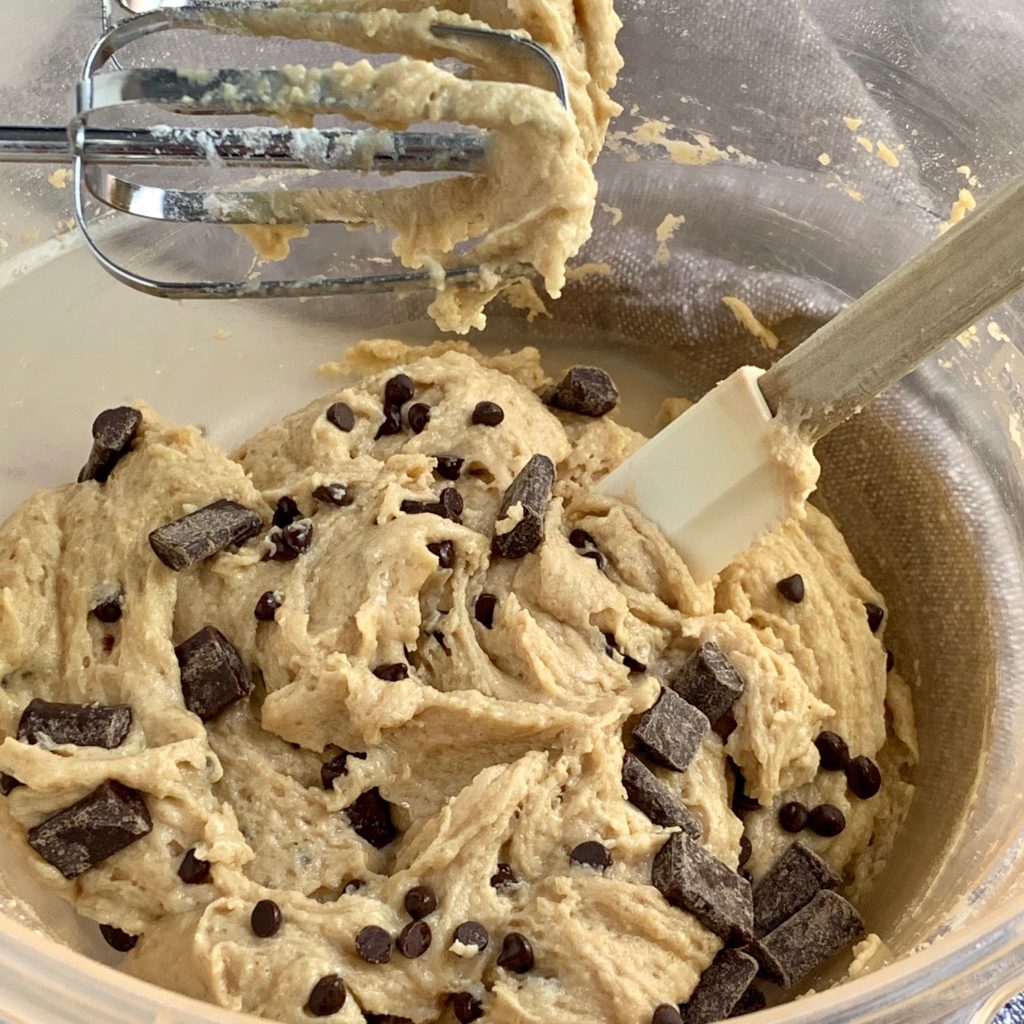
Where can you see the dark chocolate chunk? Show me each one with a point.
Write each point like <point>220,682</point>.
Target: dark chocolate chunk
<point>875,616</point>
<point>741,802</point>
<point>516,953</point>
<point>484,608</point>
<point>213,676</point>
<point>826,820</point>
<point>666,1013</point>
<point>472,933</point>
<point>267,605</point>
<point>833,753</point>
<point>692,879</point>
<point>340,415</point>
<point>445,552</point>
<point>806,940</point>
<point>84,725</point>
<point>414,939</point>
<point>720,987</point>
<point>117,939</point>
<point>112,434</point>
<point>746,851</point>
<point>709,681</point>
<point>671,731</point>
<point>790,884</point>
<point>449,467</point>
<point>333,494</point>
<point>792,588</point>
<point>487,414</point>
<point>793,816</point>
<point>327,998</point>
<point>530,492</point>
<point>286,511</point>
<point>265,919</point>
<point>110,609</point>
<point>399,390</point>
<point>591,854</point>
<point>392,673</point>
<point>192,870</point>
<point>863,777</point>
<point>420,901</point>
<point>649,794</point>
<point>109,819</point>
<point>452,503</point>
<point>587,390</point>
<point>466,1007</point>
<point>581,539</point>
<point>504,877</point>
<point>391,424</point>
<point>336,768</point>
<point>890,661</point>
<point>418,417</point>
<point>750,1002</point>
<point>370,818</point>
<point>373,944</point>
<point>290,541</point>
<point>204,533</point>
<point>8,784</point>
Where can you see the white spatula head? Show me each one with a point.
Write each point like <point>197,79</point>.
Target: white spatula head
<point>719,477</point>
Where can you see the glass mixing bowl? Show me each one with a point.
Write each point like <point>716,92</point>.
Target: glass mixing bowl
<point>789,203</point>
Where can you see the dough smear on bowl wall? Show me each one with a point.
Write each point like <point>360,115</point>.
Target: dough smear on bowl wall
<point>388,712</point>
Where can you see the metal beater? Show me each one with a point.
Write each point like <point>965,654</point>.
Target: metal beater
<point>106,84</point>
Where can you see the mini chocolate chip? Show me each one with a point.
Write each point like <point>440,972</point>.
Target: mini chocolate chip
<point>373,944</point>
<point>863,777</point>
<point>452,502</point>
<point>336,768</point>
<point>597,557</point>
<point>746,849</point>
<point>392,673</point>
<point>826,820</point>
<point>108,643</point>
<point>448,506</point>
<point>291,541</point>
<point>487,414</point>
<point>449,467</point>
<point>110,609</point>
<point>875,615</point>
<point>445,552</point>
<point>484,608</point>
<point>353,886</point>
<point>591,854</point>
<point>391,424</point>
<point>117,939</point>
<point>370,817</point>
<point>418,417</point>
<point>265,919</point>
<point>8,784</point>
<point>267,605</point>
<point>387,1018</point>
<point>333,494</point>
<point>442,642</point>
<point>192,870</point>
<point>286,511</point>
<point>420,901</point>
<point>741,803</point>
<point>632,664</point>
<point>890,661</point>
<point>793,816</point>
<point>832,751</point>
<point>586,390</point>
<point>666,1014</point>
<point>516,953</point>
<point>792,588</point>
<point>466,1007</point>
<point>414,939</point>
<point>327,998</point>
<point>341,415</point>
<point>399,389</point>
<point>581,539</point>
<point>472,933</point>
<point>504,877</point>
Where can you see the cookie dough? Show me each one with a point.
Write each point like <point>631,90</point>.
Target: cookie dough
<point>531,207</point>
<point>468,714</point>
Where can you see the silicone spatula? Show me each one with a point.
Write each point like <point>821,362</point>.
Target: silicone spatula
<point>710,479</point>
